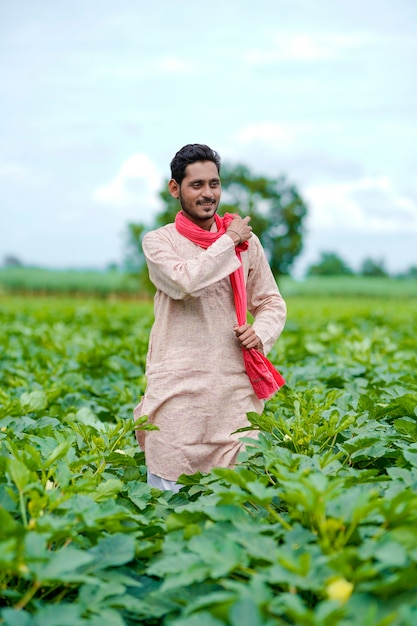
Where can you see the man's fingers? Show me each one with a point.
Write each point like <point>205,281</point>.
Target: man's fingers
<point>240,226</point>
<point>247,336</point>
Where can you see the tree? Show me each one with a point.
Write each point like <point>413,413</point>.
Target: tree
<point>411,272</point>
<point>134,261</point>
<point>370,267</point>
<point>276,208</point>
<point>330,264</point>
<point>134,258</point>
<point>10,260</point>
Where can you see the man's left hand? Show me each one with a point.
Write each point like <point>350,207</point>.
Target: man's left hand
<point>247,337</point>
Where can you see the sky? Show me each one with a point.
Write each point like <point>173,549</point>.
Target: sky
<point>97,96</point>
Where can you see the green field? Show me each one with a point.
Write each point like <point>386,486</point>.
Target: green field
<point>37,281</point>
<point>316,526</point>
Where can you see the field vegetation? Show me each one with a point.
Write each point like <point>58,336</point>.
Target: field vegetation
<point>316,526</point>
<point>107,284</point>
<point>48,282</point>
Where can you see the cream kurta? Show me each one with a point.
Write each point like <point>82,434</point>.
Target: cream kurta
<point>198,391</point>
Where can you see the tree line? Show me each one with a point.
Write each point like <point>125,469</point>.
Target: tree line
<point>278,213</point>
<point>331,264</point>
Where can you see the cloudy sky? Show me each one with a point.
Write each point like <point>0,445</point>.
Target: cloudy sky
<point>96,97</point>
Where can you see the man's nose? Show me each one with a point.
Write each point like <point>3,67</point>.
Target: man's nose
<point>208,192</point>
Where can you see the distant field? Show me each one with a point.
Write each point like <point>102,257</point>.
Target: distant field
<point>359,286</point>
<point>35,281</point>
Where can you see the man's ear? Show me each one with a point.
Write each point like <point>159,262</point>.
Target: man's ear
<point>174,188</point>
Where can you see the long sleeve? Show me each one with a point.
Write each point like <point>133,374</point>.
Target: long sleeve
<point>265,302</point>
<point>184,270</point>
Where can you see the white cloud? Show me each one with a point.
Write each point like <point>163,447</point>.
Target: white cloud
<point>364,205</point>
<point>140,67</point>
<point>136,184</point>
<point>289,47</point>
<point>317,46</point>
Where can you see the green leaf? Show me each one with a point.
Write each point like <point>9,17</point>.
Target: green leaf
<point>245,612</point>
<point>86,416</point>
<point>390,553</point>
<point>62,614</point>
<point>262,495</point>
<point>19,473</point>
<point>407,426</point>
<point>221,556</point>
<point>33,401</point>
<point>13,617</point>
<point>108,489</point>
<point>198,619</point>
<point>64,565</point>
<point>8,525</point>
<point>410,456</point>
<point>106,617</point>
<point>59,452</point>
<point>173,564</point>
<point>35,548</point>
<point>113,551</point>
<point>139,494</point>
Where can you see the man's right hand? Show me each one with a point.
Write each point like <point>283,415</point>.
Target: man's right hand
<point>239,229</point>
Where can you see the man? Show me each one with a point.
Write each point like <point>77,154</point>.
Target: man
<point>198,390</point>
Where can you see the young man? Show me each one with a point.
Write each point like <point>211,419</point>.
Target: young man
<point>198,389</point>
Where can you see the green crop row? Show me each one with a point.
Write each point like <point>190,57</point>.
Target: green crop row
<point>316,526</point>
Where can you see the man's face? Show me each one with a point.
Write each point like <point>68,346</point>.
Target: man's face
<point>199,193</point>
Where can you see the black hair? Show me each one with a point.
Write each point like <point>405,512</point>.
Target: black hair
<point>191,153</point>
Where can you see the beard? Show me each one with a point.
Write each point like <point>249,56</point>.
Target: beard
<point>200,211</point>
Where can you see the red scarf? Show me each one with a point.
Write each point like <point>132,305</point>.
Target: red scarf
<point>265,379</point>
